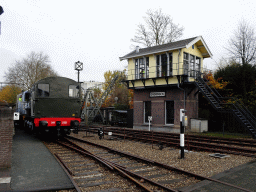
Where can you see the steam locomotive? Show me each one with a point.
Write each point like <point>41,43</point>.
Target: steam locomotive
<point>52,105</point>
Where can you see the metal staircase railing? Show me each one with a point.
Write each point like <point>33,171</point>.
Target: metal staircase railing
<point>227,104</point>
<point>241,113</point>
<point>210,93</point>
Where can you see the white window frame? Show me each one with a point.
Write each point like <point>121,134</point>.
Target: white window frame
<point>192,65</point>
<point>159,68</point>
<point>141,63</point>
<point>193,71</point>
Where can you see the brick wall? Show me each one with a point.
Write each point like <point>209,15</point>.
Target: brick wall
<point>158,105</point>
<point>6,136</point>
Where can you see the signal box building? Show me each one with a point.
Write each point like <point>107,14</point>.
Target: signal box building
<point>162,78</point>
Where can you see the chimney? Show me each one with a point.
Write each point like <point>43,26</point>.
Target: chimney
<point>137,49</point>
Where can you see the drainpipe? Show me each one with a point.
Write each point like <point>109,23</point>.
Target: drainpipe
<point>184,93</point>
<point>179,62</point>
<point>180,77</point>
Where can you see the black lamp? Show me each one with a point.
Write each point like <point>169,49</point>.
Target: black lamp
<point>78,67</point>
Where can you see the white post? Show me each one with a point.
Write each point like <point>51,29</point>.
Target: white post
<point>182,143</point>
<point>149,119</point>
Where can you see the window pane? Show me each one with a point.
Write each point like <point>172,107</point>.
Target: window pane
<point>192,65</point>
<point>164,65</point>
<point>147,110</point>
<point>170,64</point>
<point>73,91</point>
<point>198,62</point>
<point>158,66</point>
<point>43,90</point>
<point>185,56</point>
<point>136,69</point>
<point>186,63</point>
<point>142,68</point>
<point>147,67</point>
<point>169,112</point>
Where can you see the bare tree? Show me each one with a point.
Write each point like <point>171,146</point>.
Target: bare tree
<point>242,49</point>
<point>29,70</point>
<point>159,30</point>
<point>242,46</point>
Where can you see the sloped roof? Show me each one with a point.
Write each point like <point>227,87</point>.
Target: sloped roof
<point>186,43</point>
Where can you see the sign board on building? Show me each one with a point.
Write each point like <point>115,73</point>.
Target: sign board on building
<point>16,116</point>
<point>157,94</point>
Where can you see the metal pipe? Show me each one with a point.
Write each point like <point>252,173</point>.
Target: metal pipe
<point>179,62</point>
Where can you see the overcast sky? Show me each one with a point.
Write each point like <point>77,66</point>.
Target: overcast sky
<point>97,33</point>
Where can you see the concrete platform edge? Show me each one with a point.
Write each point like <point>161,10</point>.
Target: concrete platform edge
<point>217,176</point>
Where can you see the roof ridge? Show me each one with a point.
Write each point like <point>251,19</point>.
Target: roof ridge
<point>171,42</point>
<point>164,47</point>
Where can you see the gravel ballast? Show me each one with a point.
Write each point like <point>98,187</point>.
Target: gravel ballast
<point>196,162</point>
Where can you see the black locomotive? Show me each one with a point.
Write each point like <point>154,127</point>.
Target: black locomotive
<point>52,105</point>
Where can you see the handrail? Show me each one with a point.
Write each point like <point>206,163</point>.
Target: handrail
<point>242,108</point>
<point>157,71</point>
<point>208,82</point>
<point>212,90</point>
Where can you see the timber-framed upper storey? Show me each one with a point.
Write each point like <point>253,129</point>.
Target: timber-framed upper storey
<point>164,65</point>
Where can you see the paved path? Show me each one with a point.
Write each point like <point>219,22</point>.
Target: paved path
<point>34,167</point>
<point>243,176</point>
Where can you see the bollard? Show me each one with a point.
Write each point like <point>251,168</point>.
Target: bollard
<point>183,121</point>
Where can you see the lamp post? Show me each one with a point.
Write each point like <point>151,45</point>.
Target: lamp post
<point>78,67</point>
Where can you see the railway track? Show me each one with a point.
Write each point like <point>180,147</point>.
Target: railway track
<point>145,174</point>
<point>192,142</point>
<point>85,171</point>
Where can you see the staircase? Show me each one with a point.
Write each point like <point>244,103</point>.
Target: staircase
<point>228,105</point>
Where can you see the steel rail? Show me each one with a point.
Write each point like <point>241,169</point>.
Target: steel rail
<point>212,149</point>
<point>235,141</point>
<point>207,138</point>
<point>64,164</point>
<point>197,145</point>
<point>68,174</point>
<point>132,179</point>
<point>111,166</point>
<point>65,170</point>
<point>164,165</point>
<point>120,130</point>
<point>122,168</point>
<point>150,181</point>
<point>209,145</point>
<point>86,154</point>
<point>82,149</point>
<point>194,144</point>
